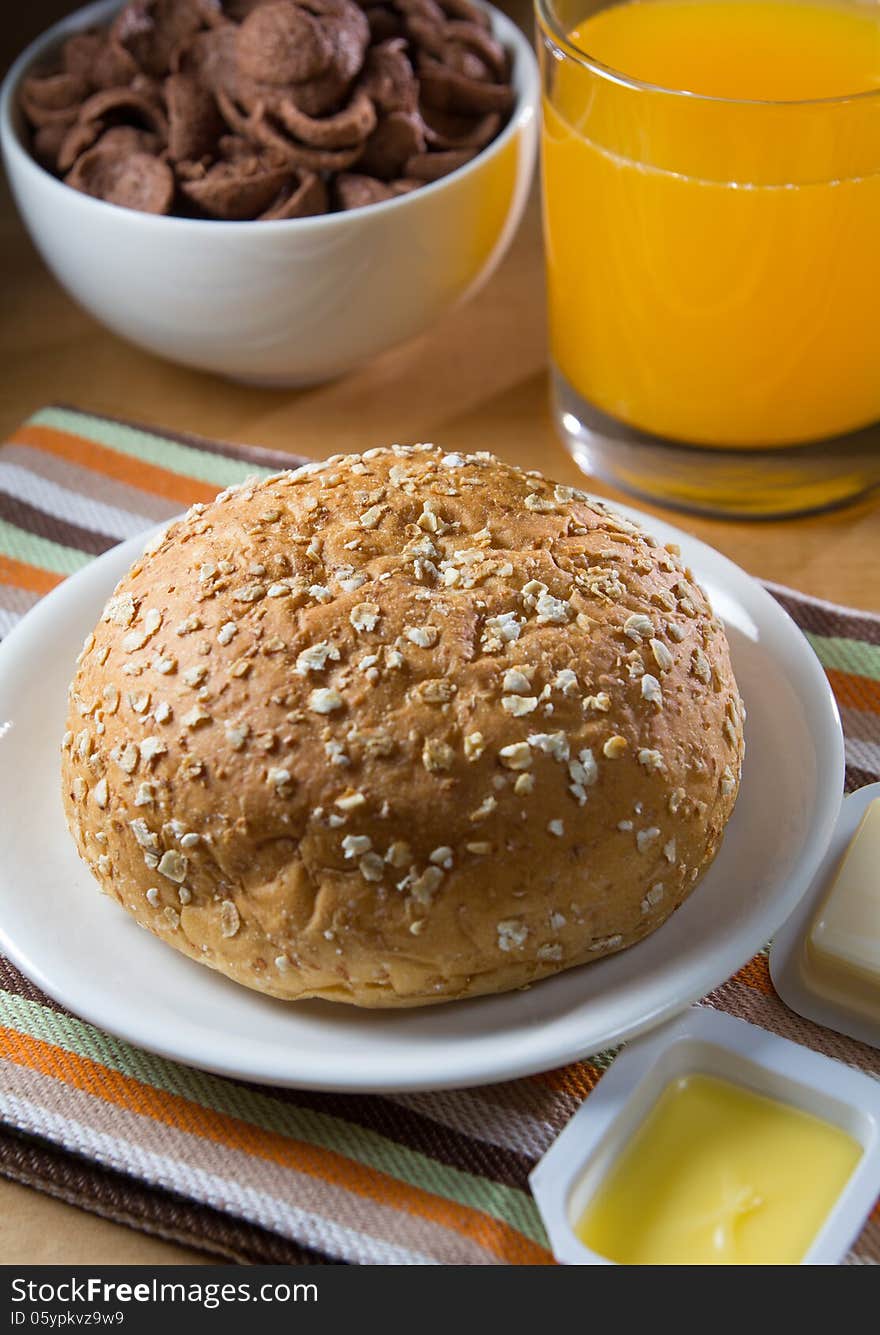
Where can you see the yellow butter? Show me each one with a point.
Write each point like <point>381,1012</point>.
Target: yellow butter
<point>719,1175</point>
<point>843,945</point>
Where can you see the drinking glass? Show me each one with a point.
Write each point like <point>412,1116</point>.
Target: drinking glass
<point>714,284</point>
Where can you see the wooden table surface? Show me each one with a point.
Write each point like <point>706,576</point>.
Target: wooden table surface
<point>477,381</point>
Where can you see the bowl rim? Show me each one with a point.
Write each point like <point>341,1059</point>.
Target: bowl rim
<point>525,82</point>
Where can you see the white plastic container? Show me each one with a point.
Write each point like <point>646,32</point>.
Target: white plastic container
<point>707,1042</point>
<point>793,976</point>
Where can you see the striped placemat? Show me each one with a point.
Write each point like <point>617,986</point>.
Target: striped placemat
<point>254,1174</point>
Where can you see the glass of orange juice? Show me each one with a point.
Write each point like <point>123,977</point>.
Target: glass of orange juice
<point>711,173</point>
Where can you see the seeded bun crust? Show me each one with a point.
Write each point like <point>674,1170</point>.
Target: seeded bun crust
<point>401,728</point>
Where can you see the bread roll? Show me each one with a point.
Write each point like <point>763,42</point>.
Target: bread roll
<point>402,727</point>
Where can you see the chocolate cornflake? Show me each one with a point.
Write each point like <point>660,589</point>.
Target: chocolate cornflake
<point>124,169</point>
<point>445,131</point>
<point>307,53</point>
<point>388,77</point>
<point>46,143</point>
<point>77,139</point>
<point>52,99</point>
<point>303,198</point>
<point>355,192</point>
<point>150,30</point>
<point>384,22</point>
<point>140,104</point>
<point>238,189</point>
<point>449,89</point>
<point>431,166</point>
<point>283,43</point>
<point>261,129</point>
<point>194,120</point>
<point>269,109</point>
<point>398,136</point>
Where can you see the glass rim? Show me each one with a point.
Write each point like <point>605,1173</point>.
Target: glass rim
<point>546,14</point>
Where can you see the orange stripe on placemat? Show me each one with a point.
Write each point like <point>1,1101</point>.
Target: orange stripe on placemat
<point>854,692</point>
<point>23,576</point>
<point>576,1080</point>
<point>756,974</point>
<point>232,1133</point>
<point>135,472</point>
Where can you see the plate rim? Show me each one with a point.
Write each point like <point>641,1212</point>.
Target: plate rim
<point>824,726</point>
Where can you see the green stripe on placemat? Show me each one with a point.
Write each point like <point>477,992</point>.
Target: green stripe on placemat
<point>165,453</point>
<point>42,552</point>
<point>844,655</point>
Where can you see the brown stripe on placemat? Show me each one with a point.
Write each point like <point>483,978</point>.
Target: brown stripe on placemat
<point>17,601</point>
<point>857,778</point>
<point>125,1200</point>
<point>825,619</point>
<point>512,1124</point>
<point>19,513</point>
<point>407,1126</point>
<point>13,980</point>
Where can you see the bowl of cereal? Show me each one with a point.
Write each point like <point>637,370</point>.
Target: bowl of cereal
<point>272,190</point>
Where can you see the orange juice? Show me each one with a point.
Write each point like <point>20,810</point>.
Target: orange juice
<point>714,251</point>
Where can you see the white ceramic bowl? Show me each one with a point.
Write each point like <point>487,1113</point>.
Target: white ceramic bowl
<point>291,302</point>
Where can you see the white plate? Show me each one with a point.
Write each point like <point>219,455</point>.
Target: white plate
<point>89,955</point>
